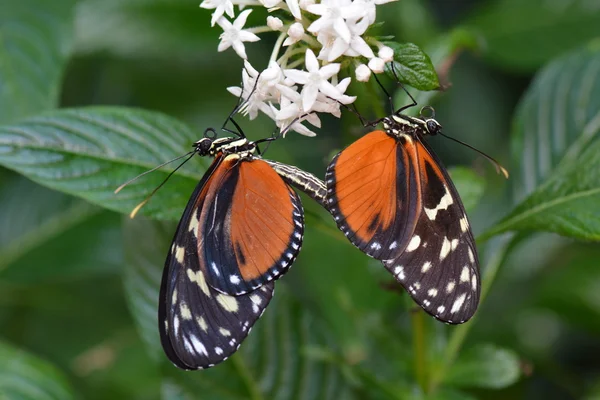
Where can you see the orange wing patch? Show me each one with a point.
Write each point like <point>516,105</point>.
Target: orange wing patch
<point>266,222</point>
<point>369,193</point>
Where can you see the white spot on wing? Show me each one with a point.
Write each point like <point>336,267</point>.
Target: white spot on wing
<point>202,324</point>
<point>393,245</point>
<point>198,277</point>
<point>215,268</point>
<point>375,246</point>
<point>465,275</point>
<point>193,227</point>
<point>229,303</point>
<point>441,309</point>
<point>255,299</point>
<point>185,312</point>
<point>198,346</point>
<point>471,256</point>
<point>399,272</point>
<point>218,350</point>
<point>432,292</point>
<point>474,281</point>
<point>450,287</point>
<point>414,243</point>
<point>464,224</point>
<point>425,267</point>
<point>180,254</point>
<point>224,332</point>
<point>234,279</point>
<point>458,303</point>
<point>445,201</point>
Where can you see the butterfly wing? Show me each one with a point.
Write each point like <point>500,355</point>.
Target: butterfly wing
<point>370,190</point>
<point>250,227</point>
<point>199,326</point>
<point>439,266</point>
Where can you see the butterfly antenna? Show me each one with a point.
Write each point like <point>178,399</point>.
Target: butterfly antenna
<point>147,199</point>
<point>117,190</point>
<point>499,168</point>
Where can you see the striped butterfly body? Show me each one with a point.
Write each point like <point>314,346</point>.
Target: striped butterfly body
<point>241,230</point>
<point>393,199</point>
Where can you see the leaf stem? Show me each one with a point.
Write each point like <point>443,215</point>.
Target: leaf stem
<point>241,368</point>
<point>502,247</point>
<point>419,348</point>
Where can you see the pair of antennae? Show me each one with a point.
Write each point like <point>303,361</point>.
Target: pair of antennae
<point>208,133</point>
<point>499,168</point>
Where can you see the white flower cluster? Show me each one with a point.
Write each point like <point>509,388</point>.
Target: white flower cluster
<point>334,29</point>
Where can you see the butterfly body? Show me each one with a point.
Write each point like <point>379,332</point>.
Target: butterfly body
<point>393,199</point>
<point>241,230</point>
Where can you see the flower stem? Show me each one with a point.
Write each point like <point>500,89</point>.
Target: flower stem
<point>419,332</point>
<point>501,247</point>
<point>259,29</point>
<point>277,46</point>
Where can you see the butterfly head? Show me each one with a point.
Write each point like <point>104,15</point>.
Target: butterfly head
<point>209,145</point>
<point>432,126</point>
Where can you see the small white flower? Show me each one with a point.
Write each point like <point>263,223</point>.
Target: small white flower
<point>363,73</point>
<point>357,45</point>
<point>314,79</point>
<point>368,7</point>
<point>295,33</point>
<point>259,94</point>
<point>334,14</point>
<point>220,7</point>
<point>291,113</point>
<point>377,65</point>
<point>274,23</point>
<point>386,54</point>
<point>233,35</point>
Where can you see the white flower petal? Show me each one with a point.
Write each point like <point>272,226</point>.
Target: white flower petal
<point>376,64</point>
<point>294,8</point>
<point>363,73</point>
<point>296,76</point>
<point>309,96</point>
<point>342,29</point>
<point>240,21</point>
<point>329,70</point>
<point>312,64</point>
<point>239,49</point>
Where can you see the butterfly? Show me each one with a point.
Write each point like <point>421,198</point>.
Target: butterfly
<point>393,199</point>
<point>241,230</point>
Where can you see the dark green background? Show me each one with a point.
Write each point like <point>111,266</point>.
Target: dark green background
<point>78,283</point>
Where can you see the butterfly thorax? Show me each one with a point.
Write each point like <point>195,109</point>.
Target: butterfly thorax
<point>237,147</point>
<point>400,124</point>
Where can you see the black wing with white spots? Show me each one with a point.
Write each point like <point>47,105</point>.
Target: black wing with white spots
<point>439,266</point>
<point>200,326</point>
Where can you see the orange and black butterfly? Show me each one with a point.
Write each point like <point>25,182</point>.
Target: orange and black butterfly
<point>393,199</point>
<point>241,230</point>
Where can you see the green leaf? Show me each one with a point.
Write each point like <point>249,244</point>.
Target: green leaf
<point>273,362</point>
<point>523,35</point>
<point>89,152</point>
<point>413,66</point>
<point>469,185</point>
<point>485,366</point>
<point>571,288</point>
<point>24,376</point>
<point>35,39</point>
<point>442,52</point>
<point>46,241</point>
<point>557,150</point>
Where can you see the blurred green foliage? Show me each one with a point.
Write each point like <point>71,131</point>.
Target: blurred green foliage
<point>96,91</point>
